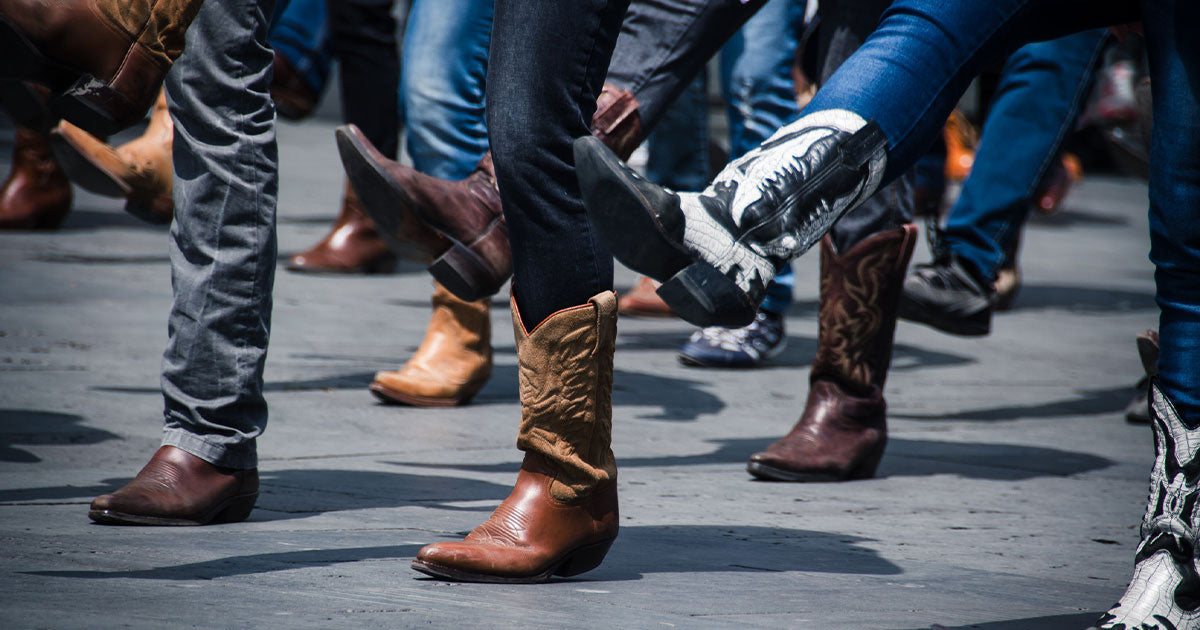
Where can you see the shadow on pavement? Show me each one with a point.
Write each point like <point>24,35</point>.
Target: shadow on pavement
<point>29,426</point>
<point>1089,402</point>
<point>1076,621</point>
<point>1081,299</point>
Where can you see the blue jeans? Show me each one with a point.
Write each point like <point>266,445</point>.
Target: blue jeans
<point>928,51</point>
<point>1042,88</point>
<point>222,242</point>
<point>301,35</point>
<point>442,84</point>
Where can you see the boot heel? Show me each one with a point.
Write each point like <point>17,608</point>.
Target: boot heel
<point>584,559</point>
<point>96,107</point>
<point>705,297</point>
<point>464,269</point>
<point>238,510</point>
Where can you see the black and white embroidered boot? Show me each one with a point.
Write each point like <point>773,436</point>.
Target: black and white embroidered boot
<point>715,251</point>
<point>1164,593</point>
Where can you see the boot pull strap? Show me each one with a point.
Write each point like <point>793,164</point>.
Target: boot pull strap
<point>605,309</point>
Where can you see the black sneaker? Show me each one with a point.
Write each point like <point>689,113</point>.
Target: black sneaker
<point>744,347</point>
<point>946,296</point>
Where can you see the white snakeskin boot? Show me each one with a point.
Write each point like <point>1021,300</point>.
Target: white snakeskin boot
<point>715,251</point>
<point>1164,593</point>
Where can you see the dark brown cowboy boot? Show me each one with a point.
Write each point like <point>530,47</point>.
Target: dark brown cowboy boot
<point>477,261</point>
<point>561,516</point>
<point>103,60</point>
<point>843,430</point>
<point>37,194</point>
<point>353,245</point>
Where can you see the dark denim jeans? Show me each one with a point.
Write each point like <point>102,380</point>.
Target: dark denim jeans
<point>928,51</point>
<point>363,39</point>
<point>301,34</point>
<point>1042,88</point>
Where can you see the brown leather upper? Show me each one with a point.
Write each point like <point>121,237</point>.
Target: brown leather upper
<point>178,485</point>
<point>454,360</point>
<point>643,300</point>
<point>468,206</point>
<point>616,121</point>
<point>353,245</point>
<point>37,194</point>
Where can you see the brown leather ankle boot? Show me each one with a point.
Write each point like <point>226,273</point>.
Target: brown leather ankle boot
<point>178,488</point>
<point>353,245</point>
<point>36,195</point>
<point>103,60</point>
<point>453,362</point>
<point>561,516</point>
<point>843,430</point>
<point>474,262</point>
<point>139,171</point>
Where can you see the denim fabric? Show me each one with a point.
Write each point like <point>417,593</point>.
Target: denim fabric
<point>677,150</point>
<point>442,85</point>
<point>222,242</point>
<point>1042,88</point>
<point>363,38</point>
<point>301,35</point>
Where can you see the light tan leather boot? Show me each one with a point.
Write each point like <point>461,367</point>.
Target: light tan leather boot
<point>453,362</point>
<point>561,517</point>
<point>140,171</point>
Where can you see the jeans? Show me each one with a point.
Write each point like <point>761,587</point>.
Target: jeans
<point>442,85</point>
<point>1042,88</point>
<point>222,241</point>
<point>301,35</point>
<point>363,38</point>
<point>928,52</point>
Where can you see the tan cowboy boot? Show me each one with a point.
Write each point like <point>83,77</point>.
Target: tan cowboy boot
<point>36,195</point>
<point>353,245</point>
<point>453,362</point>
<point>843,430</point>
<point>103,60</point>
<point>561,516</point>
<point>140,171</point>
<point>643,301</point>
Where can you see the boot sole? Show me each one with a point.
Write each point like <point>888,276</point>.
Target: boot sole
<point>392,396</point>
<point>379,267</point>
<point>84,171</point>
<point>975,325</point>
<point>695,290</point>
<point>232,510</point>
<point>767,472</point>
<point>459,268</point>
<point>579,560</point>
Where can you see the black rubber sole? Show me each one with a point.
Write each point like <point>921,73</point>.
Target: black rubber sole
<point>579,560</point>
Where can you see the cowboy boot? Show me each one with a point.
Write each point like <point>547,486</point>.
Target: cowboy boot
<point>1164,593</point>
<point>353,245</point>
<point>716,251</point>
<point>561,516</point>
<point>178,488</point>
<point>139,171</point>
<point>453,362</point>
<point>843,430</point>
<point>642,301</point>
<point>476,261</point>
<point>37,194</point>
<point>103,60</point>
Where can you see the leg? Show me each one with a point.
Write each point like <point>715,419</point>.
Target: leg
<point>300,37</point>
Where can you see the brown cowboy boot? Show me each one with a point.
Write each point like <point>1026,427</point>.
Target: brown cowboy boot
<point>103,60</point>
<point>178,488</point>
<point>139,171</point>
<point>843,430</point>
<point>353,245</point>
<point>561,516</point>
<point>37,194</point>
<point>476,262</point>
<point>453,362</point>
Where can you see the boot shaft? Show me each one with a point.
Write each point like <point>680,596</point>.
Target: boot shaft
<point>860,290</point>
<point>158,25</point>
<point>467,325</point>
<point>566,369</point>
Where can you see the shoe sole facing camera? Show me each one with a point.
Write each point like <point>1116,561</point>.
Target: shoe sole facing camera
<point>695,290</point>
<point>977,324</point>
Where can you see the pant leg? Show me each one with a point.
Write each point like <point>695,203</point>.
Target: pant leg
<point>301,35</point>
<point>222,242</point>
<point>678,149</point>
<point>442,85</point>
<point>547,65</point>
<point>1042,88</point>
<point>363,38</point>
<point>1174,50</point>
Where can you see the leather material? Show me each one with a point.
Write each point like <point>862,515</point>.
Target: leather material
<point>353,245</point>
<point>37,194</point>
<point>642,300</point>
<point>562,514</point>
<point>616,121</point>
<point>178,488</point>
<point>454,360</point>
<point>843,430</point>
<point>294,99</point>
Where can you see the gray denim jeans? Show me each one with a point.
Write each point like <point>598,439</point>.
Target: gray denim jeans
<point>222,242</point>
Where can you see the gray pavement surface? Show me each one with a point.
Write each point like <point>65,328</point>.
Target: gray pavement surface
<point>1008,499</point>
